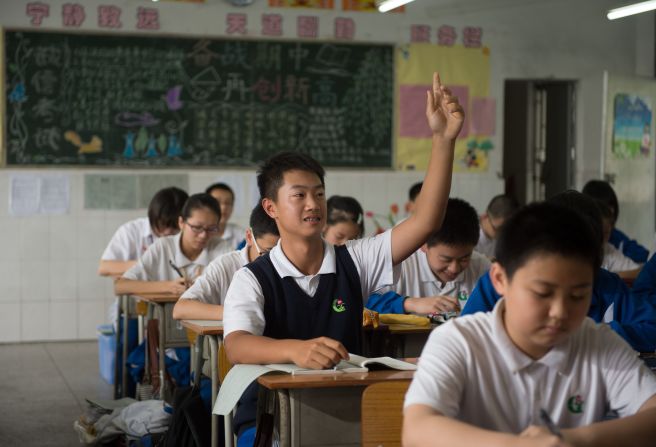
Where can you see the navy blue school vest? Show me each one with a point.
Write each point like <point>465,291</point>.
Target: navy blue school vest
<point>334,311</point>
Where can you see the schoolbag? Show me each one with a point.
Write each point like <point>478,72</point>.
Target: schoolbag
<point>191,425</point>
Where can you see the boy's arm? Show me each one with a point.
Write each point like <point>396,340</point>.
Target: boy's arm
<point>394,303</point>
<point>114,268</point>
<point>630,247</point>
<point>445,117</point>
<point>424,426</point>
<point>317,353</point>
<point>635,430</point>
<point>190,309</point>
<point>124,286</point>
<point>483,298</point>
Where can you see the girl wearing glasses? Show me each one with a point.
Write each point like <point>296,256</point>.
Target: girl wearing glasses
<point>172,263</point>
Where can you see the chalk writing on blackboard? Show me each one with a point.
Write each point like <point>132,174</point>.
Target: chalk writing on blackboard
<point>139,101</point>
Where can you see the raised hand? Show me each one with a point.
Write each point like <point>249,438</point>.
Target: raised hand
<point>445,115</point>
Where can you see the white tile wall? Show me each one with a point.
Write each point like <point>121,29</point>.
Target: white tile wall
<point>35,280</point>
<point>10,281</point>
<point>35,320</point>
<point>63,280</point>
<point>10,321</point>
<point>63,320</point>
<point>90,315</point>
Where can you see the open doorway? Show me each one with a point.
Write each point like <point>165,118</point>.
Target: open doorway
<point>538,138</point>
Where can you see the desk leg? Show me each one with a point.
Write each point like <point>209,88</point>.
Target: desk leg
<point>124,306</point>
<point>214,361</point>
<point>198,360</point>
<point>227,426</point>
<point>162,352</point>
<point>284,421</point>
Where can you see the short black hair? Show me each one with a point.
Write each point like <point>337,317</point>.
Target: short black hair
<point>502,206</point>
<point>261,223</point>
<point>460,225</point>
<point>199,201</point>
<point>165,208</point>
<point>584,205</point>
<point>414,191</point>
<point>546,228</point>
<point>271,172</point>
<point>221,186</point>
<point>345,209</point>
<point>602,191</point>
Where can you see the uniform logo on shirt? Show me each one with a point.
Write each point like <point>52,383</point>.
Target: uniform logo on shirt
<point>575,404</point>
<point>462,296</point>
<point>338,305</point>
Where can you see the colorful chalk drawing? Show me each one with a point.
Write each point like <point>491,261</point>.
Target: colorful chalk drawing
<point>128,151</point>
<point>93,146</point>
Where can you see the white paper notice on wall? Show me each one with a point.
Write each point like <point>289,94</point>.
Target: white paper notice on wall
<point>38,194</point>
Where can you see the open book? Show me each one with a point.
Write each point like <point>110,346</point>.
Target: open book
<point>356,363</point>
<point>241,376</point>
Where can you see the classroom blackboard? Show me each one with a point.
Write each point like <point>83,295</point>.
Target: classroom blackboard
<point>117,100</point>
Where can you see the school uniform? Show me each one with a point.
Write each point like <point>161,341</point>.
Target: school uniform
<point>154,264</point>
<point>130,241</point>
<point>418,280</point>
<point>234,235</point>
<point>628,247</point>
<point>211,287</point>
<point>615,261</point>
<point>471,371</point>
<point>485,245</point>
<point>634,316</point>
<point>271,297</point>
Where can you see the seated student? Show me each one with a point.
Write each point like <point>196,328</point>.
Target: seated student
<point>172,263</point>
<point>345,220</point>
<point>302,303</point>
<point>499,209</point>
<point>228,231</point>
<point>204,299</point>
<point>634,317</point>
<point>133,238</point>
<point>485,379</point>
<point>614,261</point>
<point>441,275</point>
<point>413,192</point>
<point>602,191</point>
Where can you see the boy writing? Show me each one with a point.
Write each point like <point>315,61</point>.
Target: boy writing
<point>302,303</point>
<point>489,378</point>
<point>498,210</point>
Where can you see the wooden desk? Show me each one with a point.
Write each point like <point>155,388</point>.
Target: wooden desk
<point>322,409</point>
<point>158,302</point>
<point>213,330</point>
<point>395,340</point>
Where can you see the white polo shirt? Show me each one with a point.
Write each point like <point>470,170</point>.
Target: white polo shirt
<point>211,287</point>
<point>615,261</point>
<point>130,241</point>
<point>154,264</point>
<point>485,245</point>
<point>470,370</point>
<point>418,280</point>
<point>244,302</point>
<point>233,234</point>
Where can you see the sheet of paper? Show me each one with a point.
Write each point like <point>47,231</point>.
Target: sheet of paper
<point>55,194</point>
<point>483,116</point>
<point>234,385</point>
<point>24,194</point>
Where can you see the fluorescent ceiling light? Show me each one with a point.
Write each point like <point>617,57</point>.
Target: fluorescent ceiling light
<point>388,5</point>
<point>630,10</point>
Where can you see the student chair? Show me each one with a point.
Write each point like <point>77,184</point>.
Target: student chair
<point>382,413</point>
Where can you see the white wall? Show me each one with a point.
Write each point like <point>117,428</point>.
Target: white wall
<point>48,286</point>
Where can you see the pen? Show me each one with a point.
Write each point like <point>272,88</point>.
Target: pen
<point>546,420</point>
<point>176,268</point>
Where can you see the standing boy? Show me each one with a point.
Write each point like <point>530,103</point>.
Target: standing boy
<point>302,303</point>
<point>499,378</point>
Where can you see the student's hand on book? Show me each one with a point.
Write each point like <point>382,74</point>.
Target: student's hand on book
<point>431,304</point>
<point>318,353</point>
<point>177,286</point>
<point>445,115</point>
